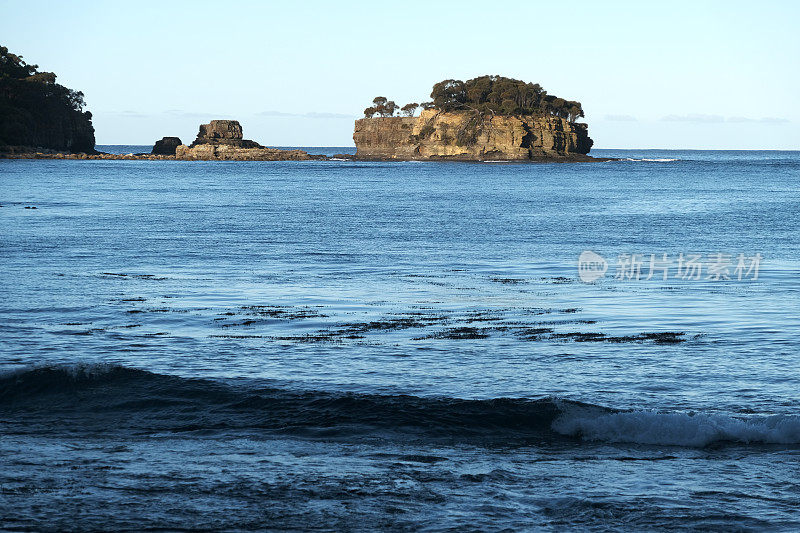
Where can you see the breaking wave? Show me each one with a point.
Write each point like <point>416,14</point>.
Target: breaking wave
<point>679,429</point>
<point>109,398</point>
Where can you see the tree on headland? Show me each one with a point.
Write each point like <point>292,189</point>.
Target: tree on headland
<point>575,111</point>
<point>14,69</point>
<point>12,66</point>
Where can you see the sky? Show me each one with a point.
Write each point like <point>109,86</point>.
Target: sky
<point>687,75</point>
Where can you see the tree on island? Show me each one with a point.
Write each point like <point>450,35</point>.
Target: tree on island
<point>490,95</point>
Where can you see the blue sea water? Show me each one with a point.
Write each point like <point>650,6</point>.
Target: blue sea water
<point>349,345</point>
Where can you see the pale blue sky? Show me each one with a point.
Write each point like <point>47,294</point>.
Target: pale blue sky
<point>649,75</point>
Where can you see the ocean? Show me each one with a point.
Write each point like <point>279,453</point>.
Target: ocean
<point>345,346</point>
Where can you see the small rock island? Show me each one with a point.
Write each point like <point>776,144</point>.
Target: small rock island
<point>487,118</point>
<point>224,140</point>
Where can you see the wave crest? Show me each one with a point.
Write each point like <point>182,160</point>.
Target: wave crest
<point>99,397</point>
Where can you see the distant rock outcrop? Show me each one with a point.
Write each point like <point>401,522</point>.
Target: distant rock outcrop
<point>222,140</point>
<point>219,130</point>
<point>223,133</point>
<point>462,135</point>
<point>38,113</point>
<point>166,146</point>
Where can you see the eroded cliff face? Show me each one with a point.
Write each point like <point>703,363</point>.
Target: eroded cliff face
<point>467,136</point>
<point>225,152</point>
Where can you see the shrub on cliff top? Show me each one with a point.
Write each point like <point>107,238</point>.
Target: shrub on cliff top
<point>488,95</point>
<point>498,95</point>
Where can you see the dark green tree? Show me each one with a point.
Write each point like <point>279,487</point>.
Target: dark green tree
<point>409,109</point>
<point>381,107</point>
<point>449,95</point>
<point>498,95</point>
<point>389,109</point>
<point>490,95</point>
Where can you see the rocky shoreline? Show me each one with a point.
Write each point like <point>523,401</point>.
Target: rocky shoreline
<point>22,152</point>
<point>274,154</point>
<point>572,158</point>
<point>222,140</point>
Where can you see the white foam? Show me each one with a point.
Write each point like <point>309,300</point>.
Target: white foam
<point>653,160</point>
<point>679,429</point>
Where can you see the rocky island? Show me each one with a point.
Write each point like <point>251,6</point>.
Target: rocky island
<point>485,118</point>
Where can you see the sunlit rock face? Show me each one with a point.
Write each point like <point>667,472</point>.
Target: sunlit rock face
<point>468,136</point>
<point>223,132</point>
